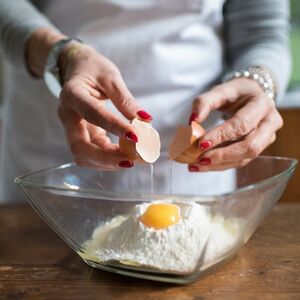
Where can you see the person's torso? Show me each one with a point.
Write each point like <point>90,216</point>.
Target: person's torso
<point>167,51</point>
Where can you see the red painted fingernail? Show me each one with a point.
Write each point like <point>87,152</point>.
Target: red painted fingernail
<point>205,161</point>
<point>193,169</point>
<point>193,117</point>
<point>144,115</point>
<point>205,144</point>
<point>131,137</point>
<point>126,164</point>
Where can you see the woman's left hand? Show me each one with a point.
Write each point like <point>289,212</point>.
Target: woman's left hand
<point>251,127</point>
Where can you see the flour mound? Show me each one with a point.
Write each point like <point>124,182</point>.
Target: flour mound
<point>176,249</point>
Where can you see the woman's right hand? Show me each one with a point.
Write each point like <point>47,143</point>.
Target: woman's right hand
<point>89,79</point>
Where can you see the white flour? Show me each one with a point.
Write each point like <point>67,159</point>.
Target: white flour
<point>176,249</point>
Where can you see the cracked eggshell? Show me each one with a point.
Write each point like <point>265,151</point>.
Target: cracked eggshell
<point>147,149</point>
<point>184,146</point>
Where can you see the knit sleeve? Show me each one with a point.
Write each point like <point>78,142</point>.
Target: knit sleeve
<point>18,19</point>
<point>256,33</point>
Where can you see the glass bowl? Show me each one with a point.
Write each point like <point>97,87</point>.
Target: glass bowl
<point>99,213</point>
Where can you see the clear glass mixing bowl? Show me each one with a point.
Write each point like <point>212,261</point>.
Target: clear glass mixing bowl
<point>75,200</point>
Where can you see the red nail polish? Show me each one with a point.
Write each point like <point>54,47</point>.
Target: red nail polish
<point>205,161</point>
<point>144,115</point>
<point>125,164</point>
<point>193,117</point>
<point>193,169</point>
<point>131,137</point>
<point>205,144</point>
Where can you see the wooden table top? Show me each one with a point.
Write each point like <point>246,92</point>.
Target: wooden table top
<point>36,264</point>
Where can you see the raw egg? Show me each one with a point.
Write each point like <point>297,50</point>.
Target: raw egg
<point>184,146</point>
<point>160,216</point>
<point>147,149</point>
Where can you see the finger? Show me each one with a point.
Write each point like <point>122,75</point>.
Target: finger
<point>116,90</point>
<point>248,148</point>
<point>101,167</point>
<point>78,98</point>
<point>242,123</point>
<point>207,167</point>
<point>88,154</point>
<point>99,137</point>
<point>211,100</point>
<point>220,167</point>
<point>83,149</point>
<point>97,166</point>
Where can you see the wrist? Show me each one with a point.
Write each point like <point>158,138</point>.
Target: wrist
<point>251,84</point>
<point>71,51</point>
<point>54,71</point>
<point>38,47</point>
<point>262,77</point>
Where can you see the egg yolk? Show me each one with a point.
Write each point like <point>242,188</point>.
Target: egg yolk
<point>159,216</point>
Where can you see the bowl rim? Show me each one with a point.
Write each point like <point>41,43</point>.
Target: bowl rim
<point>117,196</point>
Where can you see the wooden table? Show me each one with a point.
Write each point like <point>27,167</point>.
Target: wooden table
<point>36,264</point>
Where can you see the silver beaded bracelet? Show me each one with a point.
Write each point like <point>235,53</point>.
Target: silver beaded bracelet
<point>262,76</point>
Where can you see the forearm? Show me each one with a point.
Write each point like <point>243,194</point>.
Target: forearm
<point>25,35</point>
<point>257,34</point>
<point>37,48</point>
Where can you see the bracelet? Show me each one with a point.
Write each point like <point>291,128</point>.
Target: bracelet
<point>261,75</point>
<point>52,72</point>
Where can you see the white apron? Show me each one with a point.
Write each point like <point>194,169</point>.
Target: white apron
<point>167,51</point>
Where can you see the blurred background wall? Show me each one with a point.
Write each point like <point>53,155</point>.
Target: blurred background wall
<point>295,44</point>
<point>288,138</point>
<point>1,91</point>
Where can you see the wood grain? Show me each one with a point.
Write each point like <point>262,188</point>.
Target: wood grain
<point>288,144</point>
<point>36,264</point>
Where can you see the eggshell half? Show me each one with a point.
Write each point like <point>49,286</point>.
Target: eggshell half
<point>147,149</point>
<point>184,146</point>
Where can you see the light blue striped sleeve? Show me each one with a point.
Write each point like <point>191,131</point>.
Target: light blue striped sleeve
<point>256,33</point>
<point>18,19</point>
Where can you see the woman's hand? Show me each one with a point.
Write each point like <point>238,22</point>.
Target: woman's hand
<point>251,127</point>
<point>90,78</point>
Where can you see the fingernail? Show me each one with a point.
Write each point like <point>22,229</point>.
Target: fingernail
<point>193,168</point>
<point>205,161</point>
<point>193,117</point>
<point>126,164</point>
<point>131,137</point>
<point>204,145</point>
<point>144,115</point>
